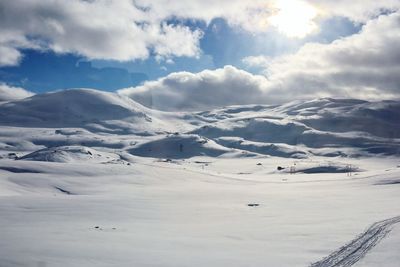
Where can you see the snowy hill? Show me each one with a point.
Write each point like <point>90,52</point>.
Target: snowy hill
<point>70,154</point>
<point>323,127</point>
<point>343,115</point>
<point>178,147</point>
<point>370,127</point>
<point>85,108</point>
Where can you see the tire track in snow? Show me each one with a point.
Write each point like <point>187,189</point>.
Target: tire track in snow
<point>357,248</point>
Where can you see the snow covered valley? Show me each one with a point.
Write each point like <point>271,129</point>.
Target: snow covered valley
<point>89,178</point>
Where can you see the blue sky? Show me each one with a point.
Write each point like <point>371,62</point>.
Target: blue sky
<point>266,51</point>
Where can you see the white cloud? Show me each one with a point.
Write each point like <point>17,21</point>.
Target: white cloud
<point>9,56</point>
<point>249,15</point>
<point>359,10</point>
<point>95,29</point>
<point>365,65</point>
<point>119,30</point>
<point>203,90</point>
<point>10,93</point>
<point>253,15</point>
<point>257,61</point>
<point>175,40</point>
<point>127,30</point>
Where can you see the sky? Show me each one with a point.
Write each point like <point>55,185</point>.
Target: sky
<point>199,54</point>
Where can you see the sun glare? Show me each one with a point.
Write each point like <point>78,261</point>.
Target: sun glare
<point>294,18</point>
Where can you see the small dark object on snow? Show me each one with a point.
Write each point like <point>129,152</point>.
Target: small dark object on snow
<point>259,164</point>
<point>280,168</point>
<point>253,204</point>
<point>63,190</point>
<point>114,228</point>
<point>90,153</point>
<point>97,227</point>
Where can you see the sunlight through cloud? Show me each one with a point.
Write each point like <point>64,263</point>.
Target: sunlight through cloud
<point>294,18</point>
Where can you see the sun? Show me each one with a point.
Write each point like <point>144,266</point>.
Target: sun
<point>294,18</point>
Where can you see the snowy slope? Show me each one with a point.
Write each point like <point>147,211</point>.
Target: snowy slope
<point>178,147</point>
<point>70,154</point>
<point>89,178</point>
<point>370,127</point>
<point>344,115</point>
<point>87,108</point>
<point>154,213</point>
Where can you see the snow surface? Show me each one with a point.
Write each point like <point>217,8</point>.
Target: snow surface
<point>89,178</point>
<point>386,253</point>
<point>68,154</point>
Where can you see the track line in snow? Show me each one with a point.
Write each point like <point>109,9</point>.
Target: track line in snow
<point>356,249</point>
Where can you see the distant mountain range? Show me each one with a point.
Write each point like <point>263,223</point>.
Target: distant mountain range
<point>299,129</point>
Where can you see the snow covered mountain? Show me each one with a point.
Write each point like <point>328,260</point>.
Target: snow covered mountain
<point>308,183</point>
<point>86,108</point>
<point>324,127</point>
<point>329,127</point>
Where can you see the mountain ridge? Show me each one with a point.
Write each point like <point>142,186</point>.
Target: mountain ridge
<point>325,126</point>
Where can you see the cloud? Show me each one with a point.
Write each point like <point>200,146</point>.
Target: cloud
<point>357,11</point>
<point>120,30</point>
<point>9,55</point>
<point>249,15</point>
<point>100,29</point>
<point>257,61</point>
<point>254,15</point>
<point>365,65</point>
<point>199,91</point>
<point>10,93</point>
<point>127,30</point>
